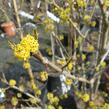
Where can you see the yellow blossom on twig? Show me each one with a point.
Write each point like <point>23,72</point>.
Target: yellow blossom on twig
<point>12,82</point>
<point>43,76</point>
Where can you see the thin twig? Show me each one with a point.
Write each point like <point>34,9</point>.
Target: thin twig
<point>64,49</point>
<point>53,48</point>
<point>17,17</point>
<point>20,90</point>
<point>56,68</point>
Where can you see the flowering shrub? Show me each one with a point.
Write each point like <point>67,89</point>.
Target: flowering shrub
<point>79,73</point>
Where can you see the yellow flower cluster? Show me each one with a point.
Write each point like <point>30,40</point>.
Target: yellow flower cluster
<point>12,82</point>
<point>60,107</point>
<point>97,68</point>
<point>90,48</point>
<point>106,3</point>
<point>64,96</point>
<point>50,96</point>
<point>87,18</point>
<point>103,64</point>
<point>92,105</point>
<point>81,3</point>
<point>14,101</point>
<point>26,65</point>
<point>49,25</point>
<point>21,53</point>
<point>43,76</point>
<point>37,91</point>
<point>85,97</point>
<point>64,14</point>
<point>93,23</point>
<point>83,57</point>
<point>105,106</point>
<point>78,42</point>
<point>28,44</point>
<point>70,66</point>
<point>61,37</point>
<point>61,61</point>
<point>34,87</point>
<point>52,99</point>
<point>78,94</point>
<point>50,107</point>
<point>49,51</point>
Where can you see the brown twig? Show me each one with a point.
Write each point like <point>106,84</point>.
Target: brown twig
<point>53,48</point>
<point>17,17</point>
<point>45,61</point>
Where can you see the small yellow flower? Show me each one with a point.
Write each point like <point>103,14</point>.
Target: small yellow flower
<point>34,87</point>
<point>83,57</point>
<point>49,51</point>
<point>105,94</point>
<point>64,14</point>
<point>68,81</point>
<point>78,94</point>
<point>43,76</point>
<point>91,48</point>
<point>38,92</point>
<point>93,23</point>
<point>81,3</point>
<point>49,25</point>
<point>103,64</point>
<point>60,107</point>
<point>105,106</point>
<point>55,9</point>
<point>50,96</point>
<point>12,82</point>
<point>65,95</point>
<point>50,107</point>
<point>26,65</point>
<point>85,97</point>
<point>97,69</point>
<point>70,66</point>
<point>80,39</point>
<point>91,104</point>
<point>61,37</point>
<point>54,100</point>
<point>106,3</point>
<point>61,61</point>
<point>14,101</point>
<point>87,18</point>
